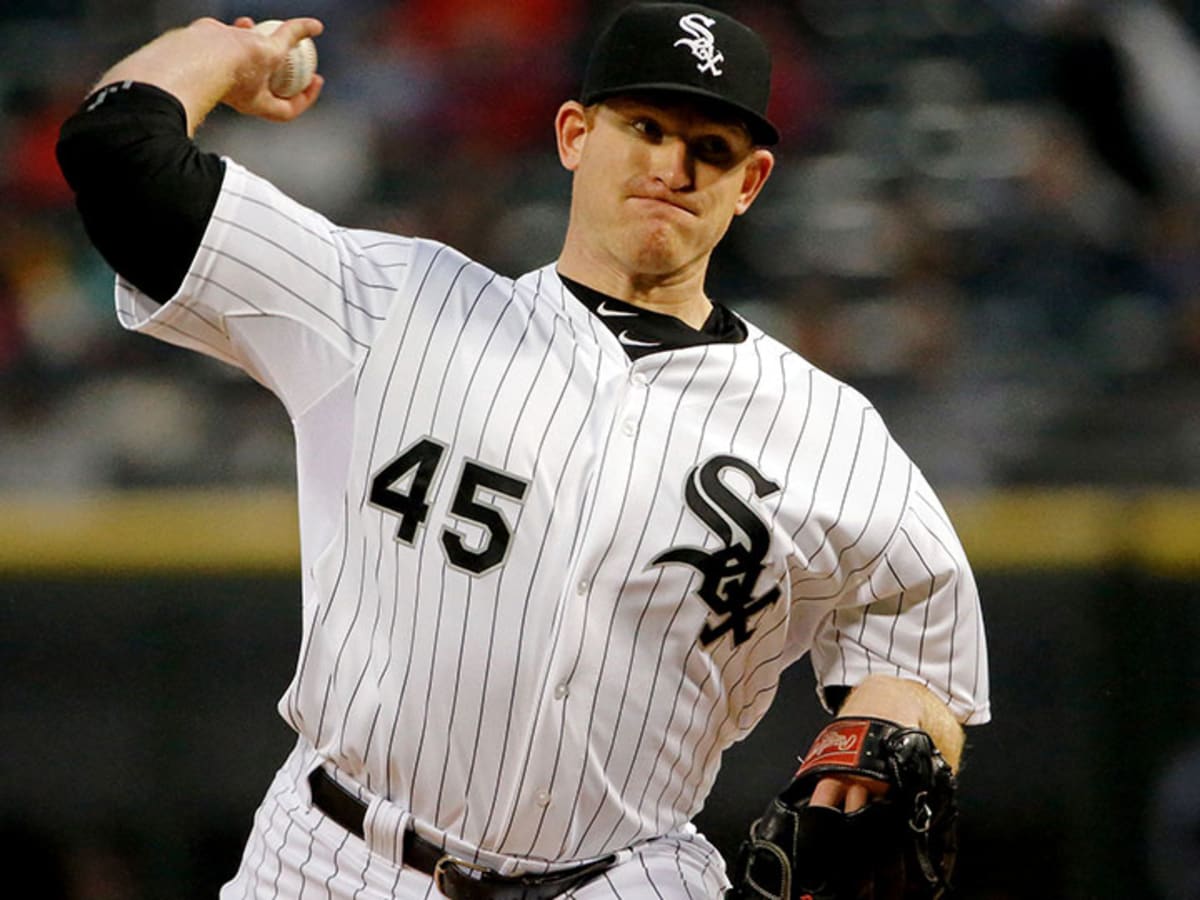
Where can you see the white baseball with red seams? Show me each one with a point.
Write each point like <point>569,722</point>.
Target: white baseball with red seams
<point>298,68</point>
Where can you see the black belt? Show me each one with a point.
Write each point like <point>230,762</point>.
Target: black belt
<point>455,878</point>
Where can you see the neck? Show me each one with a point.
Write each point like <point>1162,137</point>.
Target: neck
<point>679,293</point>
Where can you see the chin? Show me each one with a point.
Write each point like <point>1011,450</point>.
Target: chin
<point>658,252</point>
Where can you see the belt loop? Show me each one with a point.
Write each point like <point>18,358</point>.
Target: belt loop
<point>384,827</point>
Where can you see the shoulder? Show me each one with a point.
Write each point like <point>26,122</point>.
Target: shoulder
<point>800,374</point>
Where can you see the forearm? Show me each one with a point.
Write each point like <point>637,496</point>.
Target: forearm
<point>909,703</point>
<point>208,63</point>
<point>198,65</point>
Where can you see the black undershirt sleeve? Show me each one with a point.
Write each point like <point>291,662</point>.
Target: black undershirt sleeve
<point>144,189</point>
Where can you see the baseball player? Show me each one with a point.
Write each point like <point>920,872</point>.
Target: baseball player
<point>560,534</point>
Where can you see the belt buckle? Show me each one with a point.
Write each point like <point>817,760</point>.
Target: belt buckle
<point>446,863</point>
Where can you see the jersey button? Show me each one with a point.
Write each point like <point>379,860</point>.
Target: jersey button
<point>629,427</point>
<point>542,798</point>
<point>561,691</point>
<point>582,588</point>
<point>639,378</point>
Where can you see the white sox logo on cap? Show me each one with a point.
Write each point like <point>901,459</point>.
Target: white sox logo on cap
<point>684,48</point>
<point>702,43</point>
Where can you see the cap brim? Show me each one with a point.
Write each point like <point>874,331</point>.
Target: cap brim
<point>762,132</point>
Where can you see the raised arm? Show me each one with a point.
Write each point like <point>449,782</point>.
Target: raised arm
<point>144,190</point>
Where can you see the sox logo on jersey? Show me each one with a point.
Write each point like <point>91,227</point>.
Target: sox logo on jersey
<point>730,573</point>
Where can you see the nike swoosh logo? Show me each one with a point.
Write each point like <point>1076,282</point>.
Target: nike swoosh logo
<point>604,310</point>
<point>628,341</point>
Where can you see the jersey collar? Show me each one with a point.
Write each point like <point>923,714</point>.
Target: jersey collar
<point>641,332</point>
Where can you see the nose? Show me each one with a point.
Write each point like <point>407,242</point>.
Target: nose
<point>672,164</point>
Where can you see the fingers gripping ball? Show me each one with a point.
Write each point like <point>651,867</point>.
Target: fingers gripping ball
<point>900,846</point>
<point>297,70</point>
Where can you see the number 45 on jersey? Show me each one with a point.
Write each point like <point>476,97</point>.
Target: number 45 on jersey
<point>405,486</point>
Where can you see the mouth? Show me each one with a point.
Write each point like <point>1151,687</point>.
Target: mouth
<point>655,201</point>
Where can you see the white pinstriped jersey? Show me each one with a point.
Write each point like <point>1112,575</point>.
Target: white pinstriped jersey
<point>545,586</point>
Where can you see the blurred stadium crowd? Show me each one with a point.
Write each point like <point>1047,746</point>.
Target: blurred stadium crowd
<point>986,217</point>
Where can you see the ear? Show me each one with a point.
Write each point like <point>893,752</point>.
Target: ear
<point>757,170</point>
<point>571,128</point>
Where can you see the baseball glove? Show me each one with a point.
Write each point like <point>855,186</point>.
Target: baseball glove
<point>901,845</point>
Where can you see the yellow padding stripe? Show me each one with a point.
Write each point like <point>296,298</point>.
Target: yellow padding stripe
<point>1155,531</point>
<point>149,532</point>
<point>255,531</point>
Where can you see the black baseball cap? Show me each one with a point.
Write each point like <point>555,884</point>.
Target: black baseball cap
<point>687,49</point>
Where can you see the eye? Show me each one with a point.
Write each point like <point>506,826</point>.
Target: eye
<point>648,128</point>
<point>713,149</point>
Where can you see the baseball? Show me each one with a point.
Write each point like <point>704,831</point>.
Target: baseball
<point>297,70</point>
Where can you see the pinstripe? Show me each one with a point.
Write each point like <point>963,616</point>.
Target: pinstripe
<point>621,705</point>
<point>295,716</point>
<point>462,637</point>
<point>492,631</point>
<point>362,888</point>
<point>385,290</point>
<point>678,522</point>
<point>817,476</point>
<point>629,672</point>
<point>264,822</point>
<point>581,529</point>
<point>899,607</point>
<point>571,674</point>
<point>276,283</point>
<point>308,858</point>
<point>679,868</point>
<point>555,627</point>
<point>867,566</point>
<point>524,614</point>
<point>932,579</point>
<point>711,747</point>
<point>790,468</point>
<point>210,321</point>
<point>358,606</point>
<point>603,556</point>
<point>275,856</point>
<point>409,655</point>
<point>837,521</point>
<point>528,597</point>
<point>704,731</point>
<point>688,776</point>
<point>649,878</point>
<point>336,865</point>
<point>395,605</point>
<point>758,365</point>
<point>396,358</point>
<point>950,556</point>
<point>663,814</point>
<point>299,260</point>
<point>362,673</point>
<point>384,241</point>
<point>270,205</point>
<point>437,643</point>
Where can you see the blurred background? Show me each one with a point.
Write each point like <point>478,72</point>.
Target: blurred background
<point>986,217</point>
